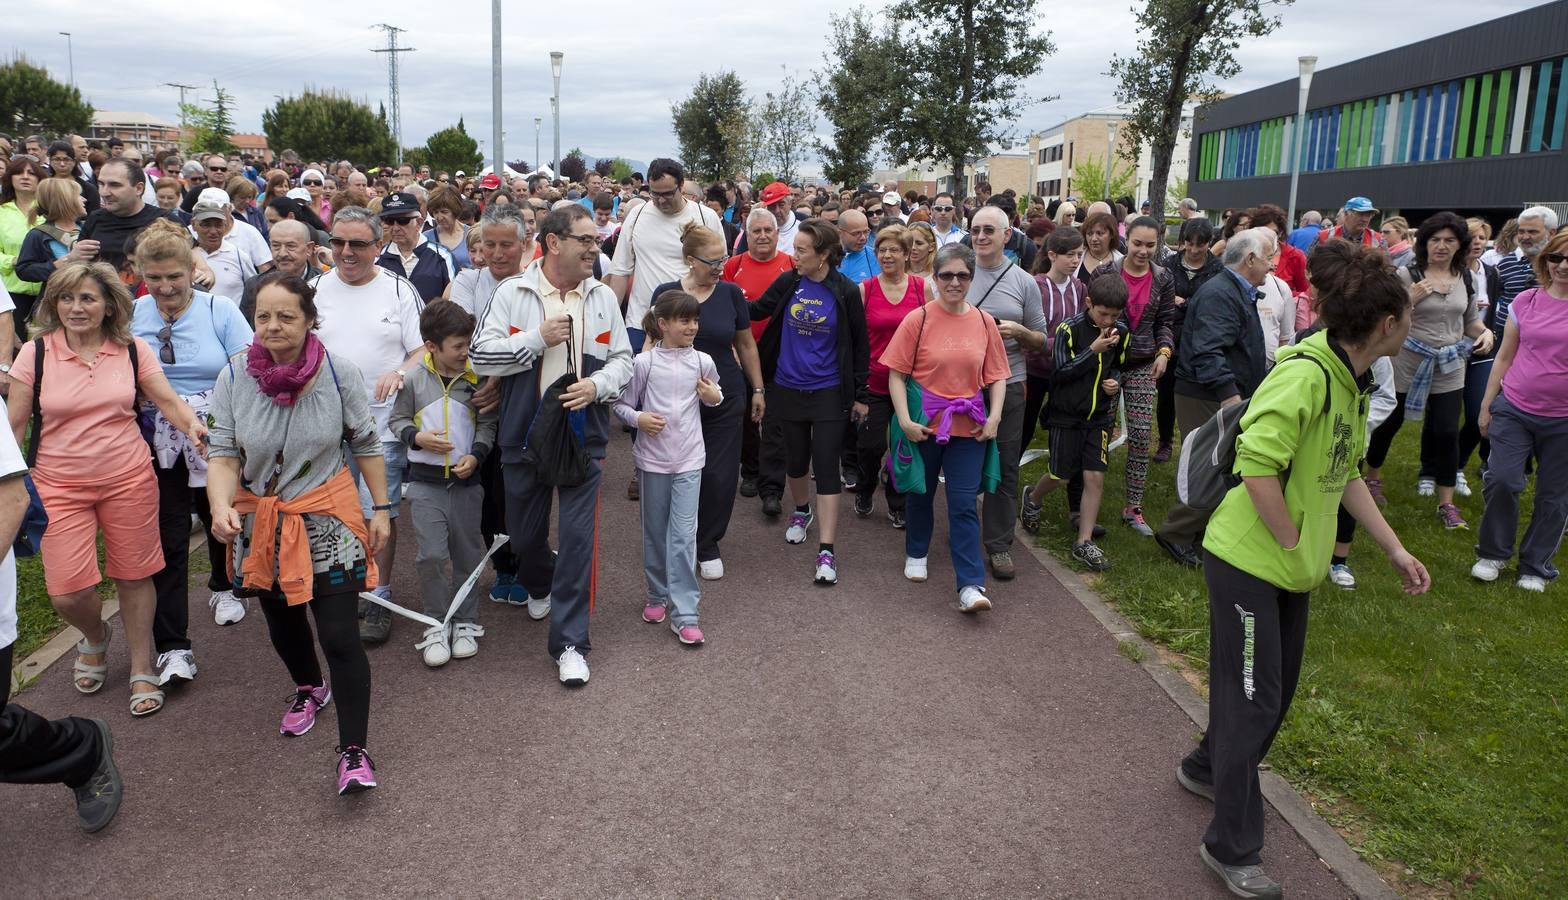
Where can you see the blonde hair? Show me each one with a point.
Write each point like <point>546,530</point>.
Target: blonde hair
<point>926,231</point>
<point>694,237</point>
<point>1399,224</point>
<point>896,233</point>
<point>57,198</point>
<point>117,300</point>
<point>163,241</point>
<point>1481,227</point>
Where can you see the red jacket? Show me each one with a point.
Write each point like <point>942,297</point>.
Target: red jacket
<point>1292,268</point>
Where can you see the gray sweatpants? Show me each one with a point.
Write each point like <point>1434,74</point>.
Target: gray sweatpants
<point>669,541</point>
<point>1516,436</point>
<point>446,528</point>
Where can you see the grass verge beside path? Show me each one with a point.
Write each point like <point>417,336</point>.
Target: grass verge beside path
<point>1433,730</point>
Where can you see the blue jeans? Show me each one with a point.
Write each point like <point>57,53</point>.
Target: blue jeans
<point>669,541</point>
<point>961,460</point>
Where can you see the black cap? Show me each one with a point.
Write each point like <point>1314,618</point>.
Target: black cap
<point>398,205</point>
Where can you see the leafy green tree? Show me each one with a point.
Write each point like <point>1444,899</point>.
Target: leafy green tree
<point>1088,180</point>
<point>451,149</point>
<point>620,168</point>
<point>1185,49</point>
<point>964,65</point>
<point>329,125</point>
<point>853,88</point>
<point>784,122</point>
<point>1177,192</point>
<point>210,128</point>
<point>30,100</point>
<point>416,157</point>
<point>710,122</point>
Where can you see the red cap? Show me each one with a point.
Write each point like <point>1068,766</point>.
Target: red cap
<point>774,192</point>
<point>490,182</point>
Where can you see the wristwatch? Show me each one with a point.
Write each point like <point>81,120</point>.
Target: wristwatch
<point>401,373</point>
<point>753,390</point>
<point>5,368</point>
<point>383,507</point>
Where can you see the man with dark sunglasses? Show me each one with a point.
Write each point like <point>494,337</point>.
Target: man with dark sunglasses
<point>408,253</point>
<point>943,212</point>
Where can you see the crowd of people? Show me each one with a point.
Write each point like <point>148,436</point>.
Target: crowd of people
<point>289,354</point>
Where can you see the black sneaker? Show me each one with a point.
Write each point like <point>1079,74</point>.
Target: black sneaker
<point>1243,881</point>
<point>849,477</point>
<point>1194,786</point>
<point>1029,515</point>
<point>772,506</point>
<point>98,799</point>
<point>896,516</point>
<point>863,506</point>
<point>748,487</point>
<point>376,625</point>
<point>1090,554</point>
<point>1183,554</point>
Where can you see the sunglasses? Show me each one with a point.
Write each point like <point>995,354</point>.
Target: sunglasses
<point>954,276</point>
<point>340,243</point>
<point>874,212</point>
<point>942,208</point>
<point>312,183</point>
<point>166,344</point>
<point>217,168</point>
<point>1555,259</point>
<point>401,220</point>
<point>985,229</point>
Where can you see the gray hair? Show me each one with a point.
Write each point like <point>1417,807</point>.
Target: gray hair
<point>759,212</point>
<point>361,215</point>
<point>1188,203</point>
<point>1546,214</point>
<point>419,192</point>
<point>1311,217</point>
<point>1248,240</point>
<point>951,252</point>
<point>505,214</point>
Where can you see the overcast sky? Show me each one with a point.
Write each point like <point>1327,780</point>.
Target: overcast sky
<point>619,79</point>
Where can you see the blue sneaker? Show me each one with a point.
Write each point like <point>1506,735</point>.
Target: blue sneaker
<point>502,590</point>
<point>518,595</point>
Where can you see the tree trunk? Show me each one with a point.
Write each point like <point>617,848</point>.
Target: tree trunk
<point>1170,124</point>
<point>966,80</point>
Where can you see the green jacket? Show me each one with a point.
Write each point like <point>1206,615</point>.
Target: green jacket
<point>1285,432</point>
<point>13,228</point>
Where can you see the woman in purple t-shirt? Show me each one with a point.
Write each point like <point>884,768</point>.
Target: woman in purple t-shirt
<point>1525,414</point>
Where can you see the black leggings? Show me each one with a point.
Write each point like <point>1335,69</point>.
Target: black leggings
<point>1439,436</point>
<point>812,424</point>
<point>1165,404</point>
<point>337,622</point>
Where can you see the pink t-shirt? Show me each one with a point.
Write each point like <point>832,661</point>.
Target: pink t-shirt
<point>1138,287</point>
<point>1537,382</point>
<point>90,433</point>
<point>882,318</point>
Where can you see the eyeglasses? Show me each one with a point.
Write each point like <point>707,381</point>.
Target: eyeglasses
<point>62,159</point>
<point>954,276</point>
<point>711,263</point>
<point>1554,259</point>
<point>664,195</point>
<point>401,220</point>
<point>583,240</point>
<point>166,344</point>
<point>340,243</point>
<point>311,183</point>
<point>985,229</point>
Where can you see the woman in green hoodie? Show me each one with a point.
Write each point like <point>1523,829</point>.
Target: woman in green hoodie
<point>1269,542</point>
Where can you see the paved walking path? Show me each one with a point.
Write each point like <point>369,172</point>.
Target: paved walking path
<point>866,740</point>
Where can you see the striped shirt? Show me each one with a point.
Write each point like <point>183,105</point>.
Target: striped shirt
<point>1517,275</point>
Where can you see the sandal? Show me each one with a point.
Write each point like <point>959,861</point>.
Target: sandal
<point>154,695</point>
<point>95,674</point>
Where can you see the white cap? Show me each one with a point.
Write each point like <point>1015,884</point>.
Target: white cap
<point>891,198</point>
<point>211,203</point>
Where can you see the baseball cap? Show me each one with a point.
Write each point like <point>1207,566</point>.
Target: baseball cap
<point>211,203</point>
<point>1360,205</point>
<point>774,192</point>
<point>460,173</point>
<point>399,205</point>
<point>891,198</point>
<point>490,182</point>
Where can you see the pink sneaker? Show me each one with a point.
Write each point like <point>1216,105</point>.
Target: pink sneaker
<point>689,634</point>
<point>355,772</point>
<point>1448,514</point>
<point>300,717</point>
<point>653,613</point>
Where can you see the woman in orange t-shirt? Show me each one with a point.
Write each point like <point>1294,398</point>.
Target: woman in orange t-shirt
<point>954,353</point>
<point>93,467</point>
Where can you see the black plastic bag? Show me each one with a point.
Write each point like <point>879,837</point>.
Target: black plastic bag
<point>554,445</point>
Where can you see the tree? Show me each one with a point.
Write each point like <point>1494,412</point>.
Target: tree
<point>573,166</point>
<point>713,126</point>
<point>852,92</point>
<point>1185,48</point>
<point>604,167</point>
<point>620,168</point>
<point>960,93</point>
<point>451,149</point>
<point>210,129</point>
<point>519,165</point>
<point>329,125</point>
<point>1087,180</point>
<point>784,120</point>
<point>1177,192</point>
<point>30,100</point>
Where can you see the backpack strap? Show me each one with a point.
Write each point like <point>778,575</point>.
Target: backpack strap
<point>38,409</point>
<point>1328,384</point>
<point>136,388</point>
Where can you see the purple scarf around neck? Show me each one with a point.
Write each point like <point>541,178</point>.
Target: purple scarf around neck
<point>283,381</point>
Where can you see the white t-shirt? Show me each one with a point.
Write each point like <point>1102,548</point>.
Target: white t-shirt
<point>248,238</point>
<point>649,250</point>
<point>11,462</point>
<point>374,325</point>
<point>231,266</point>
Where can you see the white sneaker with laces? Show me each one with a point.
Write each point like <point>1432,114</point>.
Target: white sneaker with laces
<point>1487,569</point>
<point>433,647</point>
<point>1426,487</point>
<point>1340,574</point>
<point>972,598</point>
<point>538,608</point>
<point>465,639</point>
<point>1461,486</point>
<point>574,669</point>
<point>176,665</point>
<point>711,569</point>
<point>915,569</point>
<point>227,609</point>
<point>1533,583</point>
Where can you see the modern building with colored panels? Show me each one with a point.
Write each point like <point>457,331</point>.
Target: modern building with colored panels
<point>1473,121</point>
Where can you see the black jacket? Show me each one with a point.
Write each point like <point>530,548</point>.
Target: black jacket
<point>1076,394</point>
<point>1186,284</point>
<point>1221,354</point>
<point>854,352</point>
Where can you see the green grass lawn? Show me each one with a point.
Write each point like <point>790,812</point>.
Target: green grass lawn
<point>1433,729</point>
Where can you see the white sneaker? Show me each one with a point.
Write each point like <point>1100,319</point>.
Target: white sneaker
<point>711,569</point>
<point>1461,486</point>
<point>972,598</point>
<point>1533,583</point>
<point>799,525</point>
<point>1487,569</point>
<point>1426,487</point>
<point>176,665</point>
<point>827,569</point>
<point>433,647</point>
<point>1340,574</point>
<point>574,669</point>
<point>465,639</point>
<point>227,609</point>
<point>538,608</point>
<point>915,569</point>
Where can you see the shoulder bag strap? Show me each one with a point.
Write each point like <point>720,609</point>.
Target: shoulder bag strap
<point>998,281</point>
<point>38,409</point>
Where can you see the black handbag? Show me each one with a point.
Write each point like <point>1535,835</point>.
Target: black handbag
<point>554,443</point>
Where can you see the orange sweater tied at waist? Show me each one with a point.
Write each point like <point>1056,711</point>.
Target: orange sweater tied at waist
<point>338,497</point>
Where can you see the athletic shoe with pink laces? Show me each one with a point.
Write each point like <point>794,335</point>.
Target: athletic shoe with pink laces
<point>653,613</point>
<point>300,717</point>
<point>689,634</point>
<point>355,771</point>
<point>1448,514</point>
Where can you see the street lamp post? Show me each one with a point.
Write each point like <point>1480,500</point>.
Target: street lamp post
<point>70,56</point>
<point>1307,63</point>
<point>498,161</point>
<point>1110,145</point>
<point>537,122</point>
<point>555,105</point>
